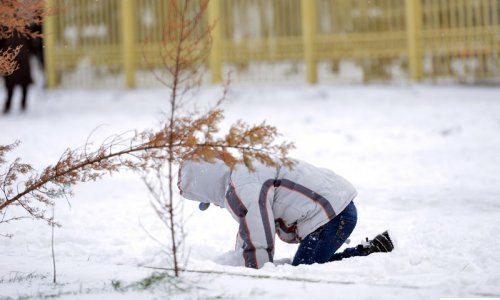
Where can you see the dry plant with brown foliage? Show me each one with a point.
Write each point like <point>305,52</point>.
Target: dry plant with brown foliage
<point>16,17</point>
<point>183,135</point>
<point>194,135</point>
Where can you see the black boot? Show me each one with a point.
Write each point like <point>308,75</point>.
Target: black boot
<point>380,243</point>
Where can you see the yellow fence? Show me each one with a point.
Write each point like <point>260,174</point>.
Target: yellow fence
<point>116,42</point>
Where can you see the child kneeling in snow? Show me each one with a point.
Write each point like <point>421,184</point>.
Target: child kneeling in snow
<point>304,204</point>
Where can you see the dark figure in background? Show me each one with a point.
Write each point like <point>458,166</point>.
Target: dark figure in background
<point>22,75</point>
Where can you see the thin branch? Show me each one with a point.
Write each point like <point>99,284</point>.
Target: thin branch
<point>52,247</point>
<point>283,278</point>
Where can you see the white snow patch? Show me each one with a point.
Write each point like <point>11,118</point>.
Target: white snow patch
<point>425,160</point>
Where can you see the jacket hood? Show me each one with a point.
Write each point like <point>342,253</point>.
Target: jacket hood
<point>204,181</point>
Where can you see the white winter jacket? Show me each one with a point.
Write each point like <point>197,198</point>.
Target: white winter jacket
<point>291,202</point>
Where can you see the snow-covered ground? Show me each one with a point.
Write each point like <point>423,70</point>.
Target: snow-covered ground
<point>425,160</point>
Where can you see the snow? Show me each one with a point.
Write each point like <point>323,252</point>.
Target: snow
<point>425,160</point>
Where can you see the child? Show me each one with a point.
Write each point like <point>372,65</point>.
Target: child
<point>304,204</point>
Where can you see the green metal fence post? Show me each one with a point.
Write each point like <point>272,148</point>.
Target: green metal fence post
<point>128,40</point>
<point>216,47</point>
<point>414,39</point>
<point>49,44</point>
<point>308,8</point>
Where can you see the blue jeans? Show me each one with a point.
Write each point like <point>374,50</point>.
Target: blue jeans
<point>320,246</point>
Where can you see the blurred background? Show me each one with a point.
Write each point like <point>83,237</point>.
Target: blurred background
<point>115,43</point>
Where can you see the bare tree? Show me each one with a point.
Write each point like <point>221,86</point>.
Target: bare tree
<point>184,49</point>
<point>183,135</point>
<point>185,44</point>
<point>17,17</point>
<point>192,138</point>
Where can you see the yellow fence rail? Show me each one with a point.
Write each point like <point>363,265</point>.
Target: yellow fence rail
<point>116,42</point>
